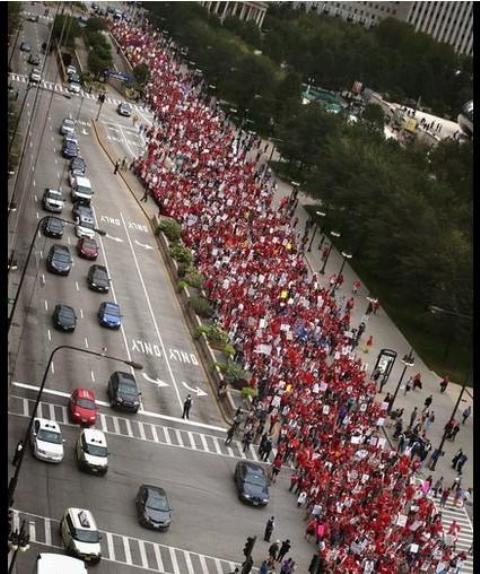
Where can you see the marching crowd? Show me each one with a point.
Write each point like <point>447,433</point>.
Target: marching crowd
<point>365,510</point>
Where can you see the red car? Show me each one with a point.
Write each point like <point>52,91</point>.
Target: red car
<point>82,407</point>
<point>87,248</point>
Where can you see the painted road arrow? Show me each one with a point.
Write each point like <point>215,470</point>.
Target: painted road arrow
<point>196,390</point>
<point>115,238</point>
<point>157,382</point>
<point>143,245</point>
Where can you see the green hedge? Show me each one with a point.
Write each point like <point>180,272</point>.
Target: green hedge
<point>171,228</point>
<point>201,307</point>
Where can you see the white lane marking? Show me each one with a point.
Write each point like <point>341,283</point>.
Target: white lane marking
<point>46,305</point>
<point>56,161</point>
<point>76,286</point>
<point>34,184</point>
<point>154,433</point>
<point>162,344</point>
<point>103,422</point>
<point>81,315</point>
<point>167,435</point>
<point>86,342</point>
<point>92,376</point>
<point>111,548</point>
<point>126,547</point>
<point>192,441</point>
<point>52,367</point>
<point>217,445</point>
<point>141,430</point>
<point>204,442</point>
<point>36,197</point>
<point>146,413</point>
<point>69,241</point>
<point>188,562</point>
<point>179,436</point>
<point>38,216</point>
<point>203,563</point>
<point>49,335</point>
<point>32,531</point>
<point>143,554</point>
<point>48,532</point>
<point>129,427</point>
<point>116,426</point>
<point>173,558</point>
<point>158,556</point>
<point>43,278</point>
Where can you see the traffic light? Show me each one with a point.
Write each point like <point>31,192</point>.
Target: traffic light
<point>249,544</point>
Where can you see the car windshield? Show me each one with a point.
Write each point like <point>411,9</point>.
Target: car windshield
<point>62,256</point>
<point>95,450</point>
<point>53,194</point>
<point>89,244</point>
<point>68,123</point>
<point>87,222</point>
<point>86,535</point>
<point>156,501</point>
<point>112,310</point>
<point>86,404</point>
<point>255,479</point>
<point>67,314</point>
<point>127,389</point>
<point>54,222</point>
<point>49,436</point>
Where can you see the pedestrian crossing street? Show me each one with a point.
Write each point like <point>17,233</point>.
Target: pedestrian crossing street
<point>64,90</point>
<point>465,536</point>
<point>127,550</point>
<point>141,430</point>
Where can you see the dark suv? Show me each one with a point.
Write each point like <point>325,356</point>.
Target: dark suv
<point>53,227</point>
<point>123,392</point>
<point>59,260</point>
<point>97,279</point>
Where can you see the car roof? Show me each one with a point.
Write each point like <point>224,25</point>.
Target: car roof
<point>62,307</point>
<point>52,220</point>
<point>59,246</point>
<point>85,393</point>
<point>48,424</point>
<point>123,375</point>
<point>94,436</point>
<point>158,489</point>
<point>110,305</point>
<point>252,467</point>
<point>96,267</point>
<point>82,180</point>
<point>53,190</point>
<point>82,519</point>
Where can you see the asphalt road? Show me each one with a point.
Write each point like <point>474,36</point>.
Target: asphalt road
<point>156,446</point>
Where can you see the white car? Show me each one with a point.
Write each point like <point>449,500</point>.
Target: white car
<point>91,451</point>
<point>35,75</point>
<point>74,88</point>
<point>67,127</point>
<point>80,535</point>
<point>71,70</point>
<point>85,226</point>
<point>47,441</point>
<point>52,200</point>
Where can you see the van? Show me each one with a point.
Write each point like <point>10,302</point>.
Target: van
<point>81,189</point>
<point>47,563</point>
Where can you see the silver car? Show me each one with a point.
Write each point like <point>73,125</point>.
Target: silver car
<point>35,75</point>
<point>47,441</point>
<point>67,127</point>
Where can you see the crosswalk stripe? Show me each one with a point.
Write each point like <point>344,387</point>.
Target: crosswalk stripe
<point>111,548</point>
<point>32,531</point>
<point>143,554</point>
<point>51,411</point>
<point>129,427</point>
<point>192,441</point>
<point>103,422</point>
<point>179,438</point>
<point>217,445</point>
<point>203,440</point>
<point>173,558</point>
<point>167,435</point>
<point>240,449</point>
<point>141,430</point>
<point>48,532</point>
<point>218,564</point>
<point>189,564</point>
<point>116,425</point>
<point>254,454</point>
<point>158,556</point>
<point>126,546</point>
<point>203,563</point>
<point>154,432</point>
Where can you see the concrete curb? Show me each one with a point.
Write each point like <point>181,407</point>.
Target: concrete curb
<point>214,376</point>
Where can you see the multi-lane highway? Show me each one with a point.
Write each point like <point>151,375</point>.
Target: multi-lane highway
<point>188,458</point>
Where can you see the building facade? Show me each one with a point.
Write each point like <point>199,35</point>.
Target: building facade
<point>245,11</point>
<point>450,22</point>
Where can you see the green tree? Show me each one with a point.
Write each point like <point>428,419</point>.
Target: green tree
<point>65,29</point>
<point>374,115</point>
<point>14,16</point>
<point>141,73</point>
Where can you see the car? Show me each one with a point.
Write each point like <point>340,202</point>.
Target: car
<point>81,188</point>
<point>59,260</point>
<point>85,227</point>
<point>74,77</point>
<point>25,47</point>
<point>69,150</point>
<point>71,69</point>
<point>153,508</point>
<point>109,315</point>
<point>52,200</point>
<point>87,248</point>
<point>124,109</point>
<point>78,166</point>
<point>67,127</point>
<point>47,440</point>
<point>80,534</point>
<point>79,208</point>
<point>91,451</point>
<point>48,563</point>
<point>34,60</point>
<point>251,482</point>
<point>64,318</point>
<point>32,17</point>
<point>74,88</point>
<point>82,407</point>
<point>97,279</point>
<point>53,227</point>
<point>123,392</point>
<point>70,138</point>
<point>117,14</point>
<point>35,76</point>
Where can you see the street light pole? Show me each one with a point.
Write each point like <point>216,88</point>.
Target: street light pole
<point>333,234</point>
<point>454,412</point>
<point>19,541</point>
<point>21,447</point>
<point>318,214</point>
<point>27,261</point>
<point>408,361</point>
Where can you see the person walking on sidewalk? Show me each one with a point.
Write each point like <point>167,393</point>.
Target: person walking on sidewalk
<point>461,461</point>
<point>466,413</point>
<point>430,420</point>
<point>443,384</point>
<point>187,405</point>
<point>115,169</point>
<point>444,497</point>
<point>408,386</point>
<point>230,433</point>
<point>456,457</point>
<point>269,529</point>
<point>284,549</point>
<point>428,401</point>
<point>437,487</point>
<point>413,416</point>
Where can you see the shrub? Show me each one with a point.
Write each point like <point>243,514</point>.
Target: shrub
<point>181,254</point>
<point>182,270</point>
<point>229,350</point>
<point>171,228</point>
<point>234,374</point>
<point>248,392</point>
<point>201,307</point>
<point>194,278</point>
<point>182,284</point>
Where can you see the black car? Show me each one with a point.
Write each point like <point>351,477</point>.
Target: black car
<point>69,149</point>
<point>123,392</point>
<point>78,166</point>
<point>53,227</point>
<point>153,509</point>
<point>59,260</point>
<point>64,318</point>
<point>97,278</point>
<point>34,59</point>
<point>251,482</point>
<point>79,208</point>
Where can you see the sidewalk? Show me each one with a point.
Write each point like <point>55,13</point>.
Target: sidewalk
<point>386,335</point>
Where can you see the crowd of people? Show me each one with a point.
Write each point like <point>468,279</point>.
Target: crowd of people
<point>366,510</point>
